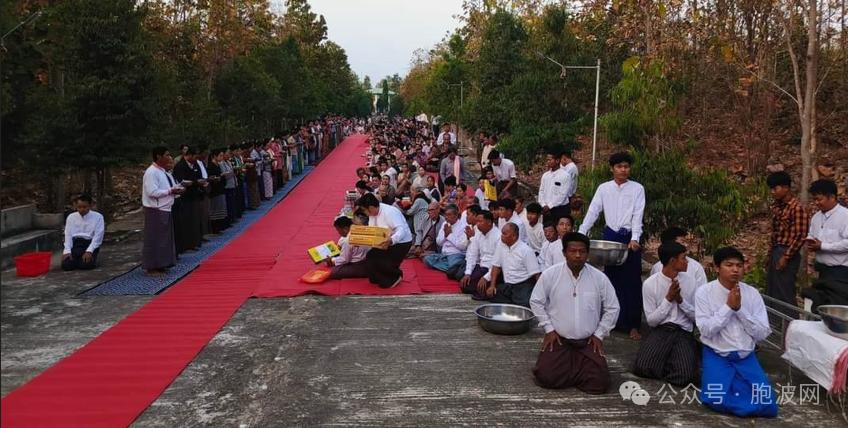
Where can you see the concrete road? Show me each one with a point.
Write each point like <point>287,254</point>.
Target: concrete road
<point>412,361</point>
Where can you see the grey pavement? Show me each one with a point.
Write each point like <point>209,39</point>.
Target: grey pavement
<point>411,361</point>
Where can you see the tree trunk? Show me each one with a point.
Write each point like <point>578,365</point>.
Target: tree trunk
<point>811,84</point>
<point>104,205</point>
<point>59,187</point>
<point>648,31</point>
<point>88,186</point>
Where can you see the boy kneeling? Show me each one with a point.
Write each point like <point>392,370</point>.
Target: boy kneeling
<point>351,262</point>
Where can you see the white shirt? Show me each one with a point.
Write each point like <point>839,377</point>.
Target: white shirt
<point>506,170</point>
<point>727,331</point>
<point>551,254</point>
<point>573,173</point>
<point>517,262</point>
<point>349,253</point>
<point>481,249</point>
<point>90,227</point>
<point>392,173</point>
<point>516,220</point>
<point>623,207</point>
<point>658,310</point>
<point>440,140</point>
<point>456,242</point>
<point>481,199</point>
<point>202,168</point>
<point>536,235</point>
<point>553,190</point>
<point>392,218</point>
<point>695,270</point>
<point>484,159</point>
<point>593,312</point>
<point>831,228</point>
<point>522,215</point>
<point>156,188</point>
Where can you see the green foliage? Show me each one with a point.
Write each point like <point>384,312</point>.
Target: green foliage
<point>396,108</point>
<point>360,101</point>
<point>645,104</point>
<point>707,202</point>
<point>502,57</point>
<point>756,276</point>
<point>108,80</point>
<point>383,101</point>
<point>508,89</point>
<point>246,90</point>
<point>94,83</point>
<point>526,143</point>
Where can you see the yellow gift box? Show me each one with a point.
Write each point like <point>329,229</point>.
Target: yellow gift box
<point>368,236</point>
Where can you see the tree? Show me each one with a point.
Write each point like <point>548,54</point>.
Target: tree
<point>108,82</point>
<point>646,106</point>
<point>396,107</point>
<point>806,90</point>
<point>501,57</point>
<point>383,101</point>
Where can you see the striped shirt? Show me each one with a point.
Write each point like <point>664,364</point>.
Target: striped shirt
<point>789,225</point>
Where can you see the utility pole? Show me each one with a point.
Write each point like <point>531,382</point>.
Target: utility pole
<point>597,69</point>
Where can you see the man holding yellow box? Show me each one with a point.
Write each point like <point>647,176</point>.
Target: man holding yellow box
<point>384,261</point>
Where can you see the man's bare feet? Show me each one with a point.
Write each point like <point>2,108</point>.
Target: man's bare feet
<point>635,334</point>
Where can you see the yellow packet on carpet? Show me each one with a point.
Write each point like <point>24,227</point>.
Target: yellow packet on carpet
<point>324,251</point>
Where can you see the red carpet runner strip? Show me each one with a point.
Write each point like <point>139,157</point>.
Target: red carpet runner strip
<point>315,204</point>
<point>112,379</point>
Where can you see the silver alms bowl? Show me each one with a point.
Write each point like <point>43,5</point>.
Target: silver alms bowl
<point>835,318</point>
<point>607,253</point>
<point>502,318</point>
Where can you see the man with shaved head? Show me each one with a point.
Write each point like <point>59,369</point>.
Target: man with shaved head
<point>517,262</point>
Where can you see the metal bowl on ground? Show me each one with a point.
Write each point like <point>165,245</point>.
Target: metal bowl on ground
<point>607,253</point>
<point>835,318</point>
<point>502,318</point>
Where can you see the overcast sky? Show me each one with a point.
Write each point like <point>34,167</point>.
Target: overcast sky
<point>379,36</point>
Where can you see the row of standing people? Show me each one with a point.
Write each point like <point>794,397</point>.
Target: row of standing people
<point>204,191</point>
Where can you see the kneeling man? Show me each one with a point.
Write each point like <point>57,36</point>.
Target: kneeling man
<point>478,258</point>
<point>452,240</point>
<point>670,353</point>
<point>517,261</point>
<point>84,230</point>
<point>576,305</point>
<point>350,263</point>
<point>732,318</point>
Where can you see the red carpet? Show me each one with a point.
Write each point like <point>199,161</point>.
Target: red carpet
<point>318,200</point>
<point>113,378</point>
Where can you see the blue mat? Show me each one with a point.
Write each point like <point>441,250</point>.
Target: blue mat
<point>136,282</point>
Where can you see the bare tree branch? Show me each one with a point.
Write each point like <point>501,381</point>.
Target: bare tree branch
<point>796,74</point>
<point>767,81</point>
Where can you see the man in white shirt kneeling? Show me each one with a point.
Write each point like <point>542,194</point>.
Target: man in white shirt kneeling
<point>670,352</point>
<point>576,305</point>
<point>732,318</point>
<point>84,231</point>
<point>517,261</point>
<point>452,241</point>
<point>478,258</point>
